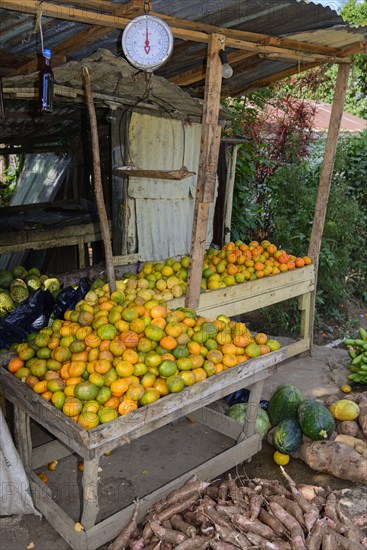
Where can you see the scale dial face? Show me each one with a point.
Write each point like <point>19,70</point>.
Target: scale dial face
<point>147,42</point>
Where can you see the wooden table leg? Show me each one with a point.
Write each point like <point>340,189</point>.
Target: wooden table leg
<point>90,493</point>
<point>253,404</point>
<point>22,435</point>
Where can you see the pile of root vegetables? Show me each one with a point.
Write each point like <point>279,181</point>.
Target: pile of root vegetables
<point>259,513</point>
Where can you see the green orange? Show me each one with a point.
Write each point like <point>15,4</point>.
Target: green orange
<point>150,395</point>
<point>175,384</point>
<point>167,368</point>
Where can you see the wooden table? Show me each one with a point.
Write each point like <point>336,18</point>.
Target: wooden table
<point>193,401</point>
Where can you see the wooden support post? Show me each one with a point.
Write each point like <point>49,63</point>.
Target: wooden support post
<point>325,177</point>
<point>98,181</point>
<point>22,435</point>
<point>229,195</point>
<point>253,404</point>
<point>208,160</point>
<point>90,493</point>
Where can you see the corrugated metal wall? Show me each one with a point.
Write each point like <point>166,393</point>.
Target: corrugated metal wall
<point>163,208</point>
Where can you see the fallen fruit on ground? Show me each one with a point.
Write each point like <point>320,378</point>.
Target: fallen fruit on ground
<point>280,458</point>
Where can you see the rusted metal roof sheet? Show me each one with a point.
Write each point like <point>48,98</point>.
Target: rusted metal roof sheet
<point>349,122</point>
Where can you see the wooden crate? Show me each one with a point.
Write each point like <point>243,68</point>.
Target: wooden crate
<point>193,400</point>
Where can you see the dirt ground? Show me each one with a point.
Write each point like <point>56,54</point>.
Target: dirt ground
<point>148,463</point>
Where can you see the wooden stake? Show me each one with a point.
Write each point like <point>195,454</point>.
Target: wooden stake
<point>208,160</point>
<point>103,220</point>
<point>325,177</point>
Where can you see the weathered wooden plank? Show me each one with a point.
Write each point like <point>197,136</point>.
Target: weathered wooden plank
<point>253,404</point>
<point>22,435</point>
<point>208,160</point>
<point>90,493</point>
<point>218,422</point>
<point>253,295</point>
<point>326,174</point>
<point>97,178</point>
<point>111,527</point>
<point>54,450</point>
<point>50,238</point>
<point>59,520</point>
<point>304,305</point>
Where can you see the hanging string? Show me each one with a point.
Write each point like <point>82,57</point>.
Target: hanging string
<point>39,23</point>
<point>146,6</point>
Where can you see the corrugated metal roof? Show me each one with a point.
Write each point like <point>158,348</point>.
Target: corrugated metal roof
<point>292,19</point>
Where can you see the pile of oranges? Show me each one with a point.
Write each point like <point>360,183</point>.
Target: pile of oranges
<point>110,356</point>
<point>238,262</point>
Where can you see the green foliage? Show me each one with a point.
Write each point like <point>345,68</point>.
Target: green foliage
<point>355,11</point>
<point>7,185</point>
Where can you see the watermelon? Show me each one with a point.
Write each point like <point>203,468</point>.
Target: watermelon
<point>284,404</point>
<point>239,412</point>
<point>287,436</point>
<point>315,420</point>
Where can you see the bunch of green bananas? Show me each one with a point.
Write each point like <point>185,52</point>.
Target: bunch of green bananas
<point>357,350</point>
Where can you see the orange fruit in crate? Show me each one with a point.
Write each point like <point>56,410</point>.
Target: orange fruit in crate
<point>55,384</point>
<point>199,373</point>
<point>88,420</point>
<point>253,350</point>
<point>150,395</point>
<point>103,395</point>
<point>107,414</point>
<point>15,364</point>
<point>140,369</point>
<point>261,338</point>
<point>72,406</point>
<point>124,368</point>
<point>119,387</point>
<point>148,380</point>
<point>175,384</point>
<point>102,366</point>
<point>127,406</point>
<point>129,338</point>
<point>135,392</point>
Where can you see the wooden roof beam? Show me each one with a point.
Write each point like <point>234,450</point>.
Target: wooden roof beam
<point>82,38</point>
<point>262,82</point>
<point>195,75</point>
<point>114,21</point>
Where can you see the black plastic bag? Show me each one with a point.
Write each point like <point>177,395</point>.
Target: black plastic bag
<point>242,396</point>
<point>69,297</point>
<point>239,396</point>
<point>29,316</point>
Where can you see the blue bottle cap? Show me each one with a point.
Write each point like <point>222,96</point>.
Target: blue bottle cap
<point>47,53</point>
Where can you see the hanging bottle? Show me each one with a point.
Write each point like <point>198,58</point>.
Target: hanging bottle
<point>45,84</point>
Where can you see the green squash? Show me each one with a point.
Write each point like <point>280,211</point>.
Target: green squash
<point>287,436</point>
<point>315,420</point>
<point>284,404</point>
